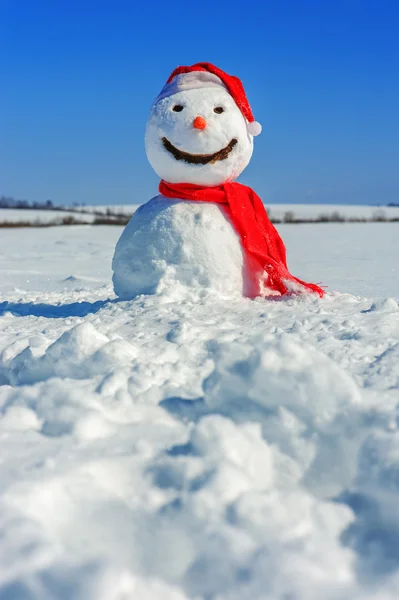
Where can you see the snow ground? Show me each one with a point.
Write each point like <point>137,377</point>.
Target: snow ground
<point>37,216</point>
<point>301,211</point>
<point>313,211</point>
<point>202,447</point>
<point>276,211</point>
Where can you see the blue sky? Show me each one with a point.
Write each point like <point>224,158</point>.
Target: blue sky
<point>78,79</point>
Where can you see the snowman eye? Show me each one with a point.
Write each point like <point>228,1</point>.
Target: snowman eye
<point>218,109</point>
<point>178,107</point>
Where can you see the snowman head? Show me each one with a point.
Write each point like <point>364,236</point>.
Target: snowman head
<point>200,129</point>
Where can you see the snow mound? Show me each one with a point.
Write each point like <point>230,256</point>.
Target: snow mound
<point>79,353</point>
<point>178,245</point>
<point>246,532</point>
<point>306,404</point>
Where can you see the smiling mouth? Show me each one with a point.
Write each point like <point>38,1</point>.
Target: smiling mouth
<point>199,159</point>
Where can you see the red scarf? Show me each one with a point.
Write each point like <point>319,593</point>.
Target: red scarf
<point>258,235</point>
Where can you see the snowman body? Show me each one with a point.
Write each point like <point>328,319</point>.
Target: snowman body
<point>177,245</point>
<point>197,136</point>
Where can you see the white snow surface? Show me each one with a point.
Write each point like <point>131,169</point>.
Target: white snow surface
<point>276,211</point>
<point>187,445</point>
<point>38,216</point>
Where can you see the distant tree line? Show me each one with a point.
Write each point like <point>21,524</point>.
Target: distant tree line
<point>10,202</point>
<point>378,216</point>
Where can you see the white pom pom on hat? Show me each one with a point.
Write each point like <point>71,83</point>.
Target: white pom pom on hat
<point>254,128</point>
<point>207,75</point>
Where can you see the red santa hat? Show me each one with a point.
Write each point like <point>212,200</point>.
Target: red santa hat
<point>202,75</point>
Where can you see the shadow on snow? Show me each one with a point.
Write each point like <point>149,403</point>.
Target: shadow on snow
<point>54,311</point>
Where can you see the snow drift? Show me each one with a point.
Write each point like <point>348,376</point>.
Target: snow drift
<point>187,446</point>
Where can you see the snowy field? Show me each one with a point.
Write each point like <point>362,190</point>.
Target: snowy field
<point>87,214</point>
<point>199,447</point>
<point>277,211</point>
<point>39,217</point>
<point>349,211</point>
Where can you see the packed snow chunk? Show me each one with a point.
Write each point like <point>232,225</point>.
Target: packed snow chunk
<point>112,355</point>
<point>379,469</point>
<point>293,530</point>
<point>383,372</point>
<point>374,498</point>
<point>93,580</point>
<point>171,245</point>
<point>68,356</point>
<point>251,540</point>
<point>279,371</point>
<point>384,305</point>
<point>19,418</point>
<point>220,439</point>
<point>308,406</point>
<point>93,426</point>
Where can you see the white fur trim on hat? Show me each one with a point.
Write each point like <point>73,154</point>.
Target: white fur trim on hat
<point>190,81</point>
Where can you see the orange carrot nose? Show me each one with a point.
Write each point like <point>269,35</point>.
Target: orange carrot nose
<point>199,123</point>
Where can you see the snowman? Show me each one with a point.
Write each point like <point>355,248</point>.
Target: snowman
<point>203,231</point>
